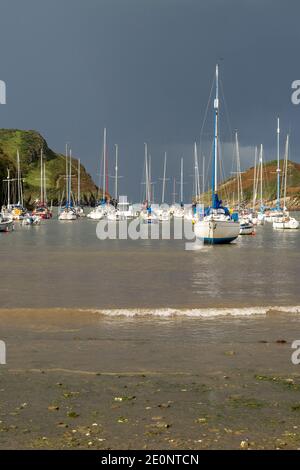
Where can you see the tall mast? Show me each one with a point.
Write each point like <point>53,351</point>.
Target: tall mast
<point>261,175</point>
<point>104,164</point>
<point>286,169</point>
<point>203,174</point>
<point>181,181</point>
<point>67,179</point>
<point>278,166</point>
<point>197,182</point>
<point>146,174</point>
<point>164,180</point>
<point>238,170</point>
<point>18,175</point>
<point>195,170</point>
<point>8,188</point>
<point>150,181</point>
<point>20,192</point>
<point>254,179</point>
<point>42,191</point>
<point>214,182</point>
<point>70,178</point>
<point>78,183</point>
<point>174,190</point>
<point>116,172</point>
<point>198,176</point>
<point>45,189</point>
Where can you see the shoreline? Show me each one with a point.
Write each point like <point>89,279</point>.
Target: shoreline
<point>156,312</point>
<point>87,381</point>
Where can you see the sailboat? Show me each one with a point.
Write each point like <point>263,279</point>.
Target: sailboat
<point>285,222</point>
<point>260,214</point>
<point>253,211</point>
<point>277,211</point>
<point>121,210</point>
<point>6,218</point>
<point>68,212</point>
<point>14,209</point>
<point>102,209</point>
<point>246,226</point>
<point>147,215</point>
<point>114,214</point>
<point>163,212</point>
<point>17,209</point>
<point>174,194</point>
<point>217,225</point>
<point>42,210</point>
<point>190,214</point>
<point>77,208</point>
<point>179,209</point>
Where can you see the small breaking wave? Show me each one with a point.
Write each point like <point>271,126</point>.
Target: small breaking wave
<point>195,312</point>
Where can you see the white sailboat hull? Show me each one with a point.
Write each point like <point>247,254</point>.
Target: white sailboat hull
<point>285,223</point>
<point>67,215</point>
<point>96,214</point>
<point>246,229</point>
<point>271,216</point>
<point>217,231</point>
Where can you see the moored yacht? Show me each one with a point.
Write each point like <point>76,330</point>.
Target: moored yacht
<point>97,213</point>
<point>67,213</point>
<point>217,226</point>
<point>246,227</point>
<point>148,216</point>
<point>285,221</point>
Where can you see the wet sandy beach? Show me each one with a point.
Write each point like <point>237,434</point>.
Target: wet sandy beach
<point>78,379</point>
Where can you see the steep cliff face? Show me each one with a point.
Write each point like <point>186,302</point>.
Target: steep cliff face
<point>29,145</point>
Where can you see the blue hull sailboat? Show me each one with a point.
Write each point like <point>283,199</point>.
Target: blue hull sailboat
<point>217,226</point>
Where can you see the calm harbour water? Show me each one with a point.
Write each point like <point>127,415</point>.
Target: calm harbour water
<point>64,265</point>
<point>58,279</point>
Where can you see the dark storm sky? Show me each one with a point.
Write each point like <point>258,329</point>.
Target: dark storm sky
<point>144,69</point>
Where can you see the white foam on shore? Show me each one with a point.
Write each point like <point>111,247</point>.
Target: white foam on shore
<point>195,312</point>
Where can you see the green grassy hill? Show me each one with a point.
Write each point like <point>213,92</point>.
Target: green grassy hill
<point>29,144</point>
<point>228,189</point>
